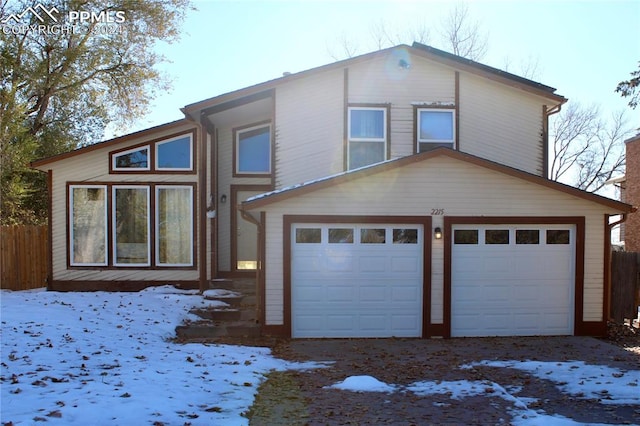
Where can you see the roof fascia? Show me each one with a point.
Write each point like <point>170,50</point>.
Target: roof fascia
<point>359,174</point>
<point>104,144</point>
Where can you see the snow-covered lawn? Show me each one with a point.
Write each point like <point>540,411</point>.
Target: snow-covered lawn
<point>106,358</point>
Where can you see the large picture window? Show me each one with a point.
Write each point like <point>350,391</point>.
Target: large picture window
<point>367,136</point>
<point>174,217</point>
<point>116,225</point>
<point>88,225</point>
<point>131,226</point>
<point>253,151</point>
<point>170,154</point>
<point>436,128</point>
<point>174,154</point>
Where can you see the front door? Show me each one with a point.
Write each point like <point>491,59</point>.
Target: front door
<point>244,233</point>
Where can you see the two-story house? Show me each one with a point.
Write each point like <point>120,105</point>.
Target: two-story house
<point>398,193</point>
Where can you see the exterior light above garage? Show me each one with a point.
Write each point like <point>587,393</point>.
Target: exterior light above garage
<point>437,233</point>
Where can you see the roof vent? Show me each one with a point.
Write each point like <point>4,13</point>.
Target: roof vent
<point>286,73</point>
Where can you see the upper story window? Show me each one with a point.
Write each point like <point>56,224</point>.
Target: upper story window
<point>172,154</point>
<point>436,128</point>
<point>367,131</point>
<point>252,151</point>
<point>137,158</point>
<point>175,154</point>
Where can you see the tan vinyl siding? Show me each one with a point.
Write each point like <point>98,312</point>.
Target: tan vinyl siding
<point>461,189</point>
<point>501,124</point>
<point>93,167</point>
<point>309,128</point>
<point>382,81</point>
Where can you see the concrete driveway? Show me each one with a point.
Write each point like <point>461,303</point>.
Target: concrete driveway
<point>537,380</point>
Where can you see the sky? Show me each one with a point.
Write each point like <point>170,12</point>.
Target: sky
<point>582,48</point>
<point>107,358</point>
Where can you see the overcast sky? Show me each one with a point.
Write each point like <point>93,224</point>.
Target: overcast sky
<point>582,48</point>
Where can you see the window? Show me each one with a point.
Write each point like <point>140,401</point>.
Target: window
<point>367,136</point>
<point>496,236</point>
<point>253,151</point>
<point>436,128</point>
<point>558,236</point>
<point>340,235</point>
<point>308,235</point>
<point>405,236</point>
<point>174,154</point>
<point>465,236</point>
<point>137,158</point>
<point>373,236</point>
<point>131,225</point>
<point>130,218</point>
<point>527,236</point>
<point>174,225</point>
<point>88,225</point>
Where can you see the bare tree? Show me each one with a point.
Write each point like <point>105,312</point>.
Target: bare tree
<point>587,150</point>
<point>462,36</point>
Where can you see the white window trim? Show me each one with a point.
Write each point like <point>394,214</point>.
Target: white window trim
<point>237,148</point>
<point>129,151</point>
<point>157,157</point>
<point>71,217</point>
<point>453,124</point>
<point>382,140</point>
<point>157,225</point>
<point>113,216</point>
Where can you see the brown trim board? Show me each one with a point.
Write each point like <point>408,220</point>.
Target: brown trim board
<point>289,220</point>
<point>580,327</point>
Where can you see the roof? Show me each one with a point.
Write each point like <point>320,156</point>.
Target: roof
<point>142,133</point>
<point>262,200</point>
<point>418,49</point>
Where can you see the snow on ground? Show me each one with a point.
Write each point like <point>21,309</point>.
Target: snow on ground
<point>363,384</point>
<point>105,358</point>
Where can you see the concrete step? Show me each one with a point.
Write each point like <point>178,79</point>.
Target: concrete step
<point>218,314</point>
<point>211,329</point>
<point>243,285</point>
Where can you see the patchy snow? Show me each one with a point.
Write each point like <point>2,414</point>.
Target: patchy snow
<point>220,292</point>
<point>363,384</point>
<point>104,358</point>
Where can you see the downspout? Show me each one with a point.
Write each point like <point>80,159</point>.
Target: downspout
<point>260,229</point>
<point>202,196</point>
<point>545,130</point>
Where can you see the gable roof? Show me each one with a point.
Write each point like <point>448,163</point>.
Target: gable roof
<point>262,200</point>
<point>418,49</point>
<point>104,144</point>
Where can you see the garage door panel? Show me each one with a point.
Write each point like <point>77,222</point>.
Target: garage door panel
<point>359,289</point>
<point>512,289</point>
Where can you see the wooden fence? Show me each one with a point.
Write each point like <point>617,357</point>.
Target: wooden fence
<point>625,291</point>
<point>23,257</point>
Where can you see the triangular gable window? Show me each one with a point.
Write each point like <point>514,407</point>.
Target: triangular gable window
<point>137,158</point>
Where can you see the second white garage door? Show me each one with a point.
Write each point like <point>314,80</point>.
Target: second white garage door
<point>511,280</point>
<point>351,280</point>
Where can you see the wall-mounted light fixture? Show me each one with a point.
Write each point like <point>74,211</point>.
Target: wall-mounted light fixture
<point>437,233</point>
<point>223,198</point>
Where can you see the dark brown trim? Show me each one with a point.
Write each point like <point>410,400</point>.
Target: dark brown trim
<point>152,156</point>
<point>426,156</point>
<point>234,189</point>
<point>152,218</point>
<point>425,221</point>
<point>262,270</point>
<point>592,328</point>
<point>200,220</point>
<point>606,307</point>
<point>274,169</point>
<point>117,285</point>
<point>126,138</point>
<point>234,133</point>
<point>50,227</point>
<point>345,117</point>
<point>545,142</point>
<point>577,221</point>
<point>457,111</point>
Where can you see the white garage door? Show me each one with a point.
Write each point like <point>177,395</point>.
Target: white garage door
<point>360,280</point>
<point>511,280</point>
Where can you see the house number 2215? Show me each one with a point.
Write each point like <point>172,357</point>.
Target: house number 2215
<point>437,212</point>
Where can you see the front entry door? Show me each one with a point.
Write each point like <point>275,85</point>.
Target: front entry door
<point>244,233</point>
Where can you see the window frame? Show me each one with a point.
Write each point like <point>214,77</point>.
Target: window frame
<point>173,169</point>
<point>70,219</point>
<point>156,208</point>
<point>385,140</point>
<point>152,167</point>
<point>435,142</point>
<point>110,223</point>
<point>114,238</point>
<point>237,132</point>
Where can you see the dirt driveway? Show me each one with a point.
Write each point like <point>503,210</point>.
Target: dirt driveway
<point>506,395</point>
